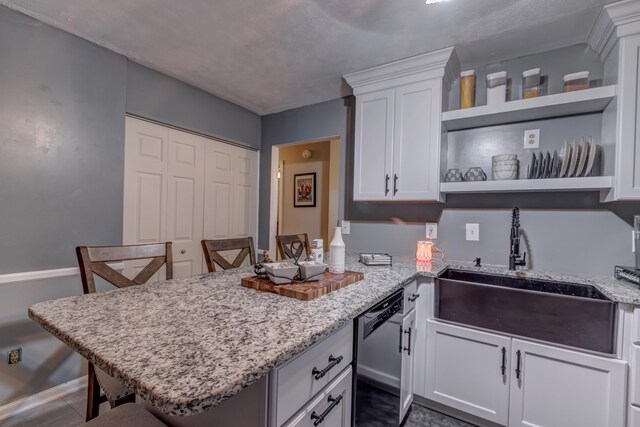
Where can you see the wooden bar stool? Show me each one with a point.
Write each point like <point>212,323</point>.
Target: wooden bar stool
<point>125,415</point>
<point>93,260</point>
<point>212,249</point>
<point>285,245</point>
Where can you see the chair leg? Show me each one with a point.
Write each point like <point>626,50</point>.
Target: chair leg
<point>93,394</point>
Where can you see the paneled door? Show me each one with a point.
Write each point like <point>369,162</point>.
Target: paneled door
<point>185,202</point>
<point>145,188</point>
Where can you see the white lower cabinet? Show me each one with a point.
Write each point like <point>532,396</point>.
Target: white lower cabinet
<point>465,370</point>
<point>520,383</point>
<point>330,408</point>
<point>408,358</point>
<point>554,387</point>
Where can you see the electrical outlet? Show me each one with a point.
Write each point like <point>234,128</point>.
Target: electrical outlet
<point>531,139</point>
<point>14,356</point>
<point>473,232</point>
<point>432,230</point>
<point>346,226</point>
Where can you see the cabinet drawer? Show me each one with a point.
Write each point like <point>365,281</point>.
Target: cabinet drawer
<point>333,405</point>
<point>634,416</point>
<point>296,383</point>
<point>410,296</point>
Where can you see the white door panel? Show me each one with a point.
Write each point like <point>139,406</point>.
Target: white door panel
<point>408,358</point>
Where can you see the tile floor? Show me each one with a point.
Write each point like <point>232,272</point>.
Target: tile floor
<point>69,412</point>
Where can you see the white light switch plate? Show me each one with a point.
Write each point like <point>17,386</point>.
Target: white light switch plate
<point>346,226</point>
<point>531,139</point>
<point>432,230</point>
<point>473,232</point>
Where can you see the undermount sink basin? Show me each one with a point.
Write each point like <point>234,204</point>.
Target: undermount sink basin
<point>564,313</point>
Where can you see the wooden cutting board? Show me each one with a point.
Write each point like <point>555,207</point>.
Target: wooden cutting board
<point>328,282</point>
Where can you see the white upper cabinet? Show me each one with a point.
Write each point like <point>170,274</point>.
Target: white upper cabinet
<point>616,37</point>
<point>398,127</point>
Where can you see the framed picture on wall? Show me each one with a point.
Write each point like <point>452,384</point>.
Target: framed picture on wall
<point>304,190</point>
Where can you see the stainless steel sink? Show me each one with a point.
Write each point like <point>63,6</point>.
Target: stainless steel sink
<point>565,313</point>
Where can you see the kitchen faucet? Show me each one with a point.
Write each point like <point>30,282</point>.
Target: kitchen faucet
<point>514,252</point>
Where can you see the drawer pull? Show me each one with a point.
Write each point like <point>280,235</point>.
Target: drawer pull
<point>414,297</point>
<point>503,367</point>
<point>318,419</point>
<point>408,349</point>
<point>518,359</point>
<point>333,361</point>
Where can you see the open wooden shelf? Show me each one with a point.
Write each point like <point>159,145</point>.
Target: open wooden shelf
<point>590,183</point>
<point>544,107</point>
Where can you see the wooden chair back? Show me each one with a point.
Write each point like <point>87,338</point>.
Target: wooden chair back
<point>287,247</point>
<point>212,249</point>
<point>93,260</point>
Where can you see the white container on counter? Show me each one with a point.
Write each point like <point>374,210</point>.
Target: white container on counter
<point>496,88</point>
<point>317,250</point>
<point>337,253</point>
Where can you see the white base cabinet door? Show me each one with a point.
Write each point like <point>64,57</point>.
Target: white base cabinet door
<point>468,370</point>
<point>331,408</point>
<point>408,357</point>
<point>553,387</point>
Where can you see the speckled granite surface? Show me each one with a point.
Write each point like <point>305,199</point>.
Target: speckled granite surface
<point>186,345</point>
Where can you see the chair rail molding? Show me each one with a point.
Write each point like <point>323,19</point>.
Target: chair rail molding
<point>28,276</point>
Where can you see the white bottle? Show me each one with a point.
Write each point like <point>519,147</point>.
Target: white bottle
<point>337,253</point>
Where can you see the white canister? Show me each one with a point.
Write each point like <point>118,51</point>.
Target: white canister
<point>337,253</point>
<point>496,88</point>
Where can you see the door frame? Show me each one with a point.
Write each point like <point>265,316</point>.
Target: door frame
<point>334,186</point>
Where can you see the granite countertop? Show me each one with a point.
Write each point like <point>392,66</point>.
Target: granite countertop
<point>187,345</point>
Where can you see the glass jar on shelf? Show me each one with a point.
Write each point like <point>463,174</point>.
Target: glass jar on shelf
<point>531,83</point>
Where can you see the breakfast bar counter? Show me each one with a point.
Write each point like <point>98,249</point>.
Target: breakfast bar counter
<point>186,345</point>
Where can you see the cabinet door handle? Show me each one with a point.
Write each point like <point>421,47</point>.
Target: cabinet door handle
<point>333,361</point>
<point>386,184</point>
<point>503,367</point>
<point>318,419</point>
<point>414,297</point>
<point>518,359</point>
<point>395,184</point>
<point>408,349</point>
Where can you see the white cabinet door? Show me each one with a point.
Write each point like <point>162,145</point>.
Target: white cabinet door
<point>373,146</point>
<point>416,141</point>
<point>468,370</point>
<point>553,387</point>
<point>408,358</point>
<point>627,172</point>
<point>145,186</point>
<point>330,408</point>
<point>185,185</point>
<point>424,311</point>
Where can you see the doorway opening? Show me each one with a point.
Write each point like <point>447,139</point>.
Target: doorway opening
<point>305,179</point>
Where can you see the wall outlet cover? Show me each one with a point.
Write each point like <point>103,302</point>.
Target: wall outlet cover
<point>473,232</point>
<point>432,230</point>
<point>346,226</point>
<point>531,139</point>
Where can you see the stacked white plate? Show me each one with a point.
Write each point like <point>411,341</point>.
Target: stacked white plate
<point>504,167</point>
<point>576,159</point>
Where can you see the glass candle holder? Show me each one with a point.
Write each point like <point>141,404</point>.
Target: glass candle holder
<point>424,251</point>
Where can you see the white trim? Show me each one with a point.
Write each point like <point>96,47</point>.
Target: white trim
<point>28,276</point>
<point>27,403</point>
<point>273,200</point>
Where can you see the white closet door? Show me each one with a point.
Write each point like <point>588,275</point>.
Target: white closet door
<point>245,193</point>
<point>145,188</point>
<point>185,202</point>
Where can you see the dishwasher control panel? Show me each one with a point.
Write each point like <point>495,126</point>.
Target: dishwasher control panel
<point>382,312</point>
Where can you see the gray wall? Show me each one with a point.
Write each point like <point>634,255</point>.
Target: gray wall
<point>61,149</point>
<point>62,119</point>
<point>159,97</point>
<point>325,120</point>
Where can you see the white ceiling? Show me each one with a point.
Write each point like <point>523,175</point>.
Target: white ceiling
<point>273,55</point>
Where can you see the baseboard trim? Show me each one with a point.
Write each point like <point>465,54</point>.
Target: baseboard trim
<point>26,403</point>
<point>46,274</point>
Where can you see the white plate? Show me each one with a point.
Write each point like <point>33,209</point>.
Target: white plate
<point>565,157</point>
<point>571,170</point>
<point>593,150</point>
<point>582,160</point>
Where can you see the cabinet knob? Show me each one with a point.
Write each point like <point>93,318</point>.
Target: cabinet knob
<point>184,251</point>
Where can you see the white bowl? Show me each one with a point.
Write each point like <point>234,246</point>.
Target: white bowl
<point>509,168</point>
<point>281,272</point>
<point>312,270</point>
<point>501,157</point>
<point>505,163</point>
<point>504,175</point>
